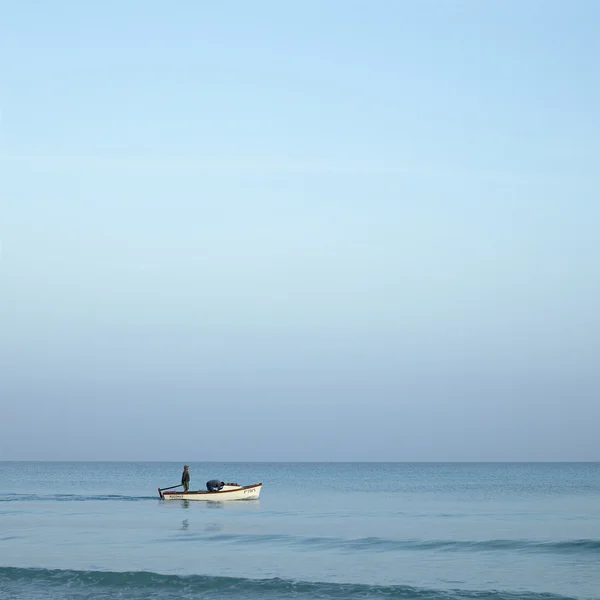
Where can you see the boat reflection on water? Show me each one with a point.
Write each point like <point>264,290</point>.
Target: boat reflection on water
<point>245,505</point>
<point>240,506</point>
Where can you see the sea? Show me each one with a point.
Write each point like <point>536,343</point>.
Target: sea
<point>76,530</point>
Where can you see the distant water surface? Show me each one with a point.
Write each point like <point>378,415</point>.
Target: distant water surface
<point>327,530</point>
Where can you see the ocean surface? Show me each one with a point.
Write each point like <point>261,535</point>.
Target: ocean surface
<point>409,531</point>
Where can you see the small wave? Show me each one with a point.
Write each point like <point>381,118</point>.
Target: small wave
<point>53,584</point>
<point>377,544</point>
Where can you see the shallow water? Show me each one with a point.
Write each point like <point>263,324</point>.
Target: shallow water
<point>518,531</point>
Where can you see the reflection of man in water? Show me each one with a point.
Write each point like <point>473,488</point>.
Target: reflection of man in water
<point>185,479</point>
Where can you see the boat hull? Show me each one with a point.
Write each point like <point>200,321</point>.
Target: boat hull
<point>228,493</point>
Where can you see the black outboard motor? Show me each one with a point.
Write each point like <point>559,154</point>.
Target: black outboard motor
<point>214,485</point>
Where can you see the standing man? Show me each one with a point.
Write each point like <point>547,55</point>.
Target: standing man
<point>185,479</point>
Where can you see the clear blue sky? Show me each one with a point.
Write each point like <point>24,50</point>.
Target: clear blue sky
<point>321,230</point>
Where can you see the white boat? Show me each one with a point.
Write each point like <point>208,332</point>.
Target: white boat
<point>230,491</point>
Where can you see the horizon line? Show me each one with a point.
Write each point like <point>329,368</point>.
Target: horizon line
<point>299,462</point>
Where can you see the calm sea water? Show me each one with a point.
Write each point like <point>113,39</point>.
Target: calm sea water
<point>422,531</point>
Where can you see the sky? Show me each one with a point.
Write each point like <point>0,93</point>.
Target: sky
<point>299,231</point>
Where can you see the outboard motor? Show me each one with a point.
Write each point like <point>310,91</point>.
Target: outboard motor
<point>214,485</point>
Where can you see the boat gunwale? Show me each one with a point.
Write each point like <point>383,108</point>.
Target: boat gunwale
<point>207,493</point>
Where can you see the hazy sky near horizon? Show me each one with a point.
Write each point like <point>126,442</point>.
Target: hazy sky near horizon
<point>321,230</point>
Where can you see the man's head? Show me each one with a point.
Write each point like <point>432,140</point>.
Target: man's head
<point>186,467</point>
